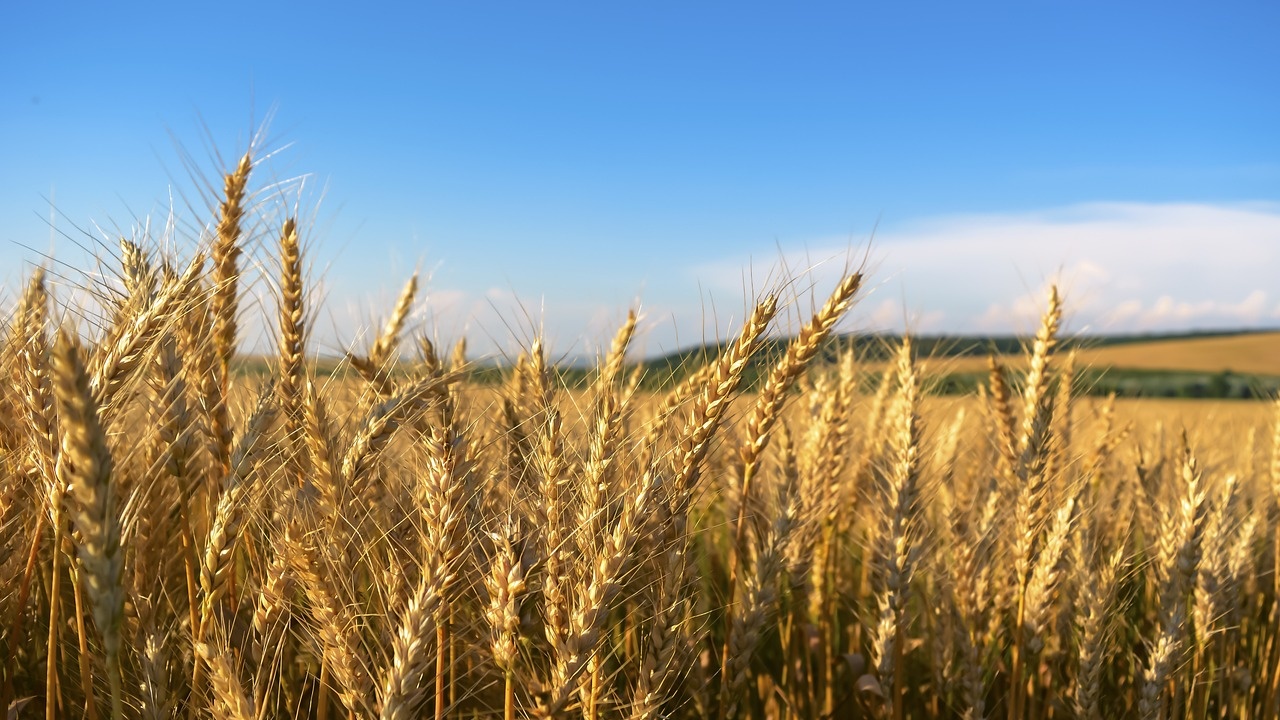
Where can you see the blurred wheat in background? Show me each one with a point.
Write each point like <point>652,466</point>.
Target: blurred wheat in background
<point>794,534</point>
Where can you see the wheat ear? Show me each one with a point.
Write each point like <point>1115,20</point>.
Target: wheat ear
<point>224,302</point>
<point>411,649</point>
<point>709,406</point>
<point>602,585</point>
<point>506,586</point>
<point>226,255</point>
<point>1094,623</point>
<point>1000,406</point>
<point>768,408</point>
<point>138,274</point>
<point>269,618</point>
<point>751,616</point>
<point>1179,556</point>
<point>155,702</point>
<point>123,351</point>
<point>376,431</point>
<point>229,515</point>
<point>376,367</point>
<point>602,445</point>
<point>292,345</point>
<point>84,466</point>
<point>1033,450</point>
<point>898,535</point>
<point>28,343</point>
<point>341,647</point>
<point>800,352</point>
<point>32,343</point>
<point>230,701</point>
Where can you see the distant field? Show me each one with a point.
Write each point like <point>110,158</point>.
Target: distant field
<point>1255,354</point>
<point>1248,354</point>
<point>1232,366</point>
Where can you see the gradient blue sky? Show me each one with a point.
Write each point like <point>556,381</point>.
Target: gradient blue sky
<point>571,158</point>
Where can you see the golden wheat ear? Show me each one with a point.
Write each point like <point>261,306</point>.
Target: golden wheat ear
<point>291,345</point>
<point>227,249</point>
<point>229,698</point>
<point>717,391</point>
<point>505,585</point>
<point>128,345</point>
<point>376,367</point>
<point>85,467</point>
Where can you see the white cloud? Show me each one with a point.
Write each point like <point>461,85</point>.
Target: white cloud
<point>887,314</point>
<point>891,315</point>
<point>1168,311</point>
<point>1122,267</point>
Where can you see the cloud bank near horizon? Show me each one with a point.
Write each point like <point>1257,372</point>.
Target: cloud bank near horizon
<point>1122,267</point>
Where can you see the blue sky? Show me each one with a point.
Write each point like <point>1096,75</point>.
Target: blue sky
<point>553,163</point>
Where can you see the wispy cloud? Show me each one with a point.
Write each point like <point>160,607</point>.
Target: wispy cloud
<point>1123,267</point>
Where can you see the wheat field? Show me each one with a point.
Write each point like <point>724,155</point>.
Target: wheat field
<point>179,541</point>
